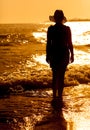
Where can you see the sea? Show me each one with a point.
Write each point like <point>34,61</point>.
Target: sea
<point>18,34</point>
<point>24,73</point>
<point>16,39</point>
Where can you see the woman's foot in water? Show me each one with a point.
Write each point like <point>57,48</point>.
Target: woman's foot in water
<point>57,103</point>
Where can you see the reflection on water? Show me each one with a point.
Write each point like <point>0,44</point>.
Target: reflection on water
<point>40,36</point>
<point>78,103</point>
<point>80,36</point>
<point>33,110</point>
<point>81,58</point>
<point>40,59</point>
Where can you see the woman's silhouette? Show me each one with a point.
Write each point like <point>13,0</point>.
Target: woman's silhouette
<point>59,52</point>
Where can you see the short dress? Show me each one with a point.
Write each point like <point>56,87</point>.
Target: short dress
<point>57,48</point>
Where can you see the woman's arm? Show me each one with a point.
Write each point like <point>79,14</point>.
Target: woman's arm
<point>48,45</point>
<point>70,45</point>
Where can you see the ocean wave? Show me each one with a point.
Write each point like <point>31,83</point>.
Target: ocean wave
<point>11,34</point>
<point>41,79</point>
<point>34,33</point>
<point>16,38</point>
<point>24,67</point>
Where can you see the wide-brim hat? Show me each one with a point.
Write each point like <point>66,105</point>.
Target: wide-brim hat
<point>58,16</point>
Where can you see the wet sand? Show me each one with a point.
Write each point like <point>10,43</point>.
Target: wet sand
<point>33,110</point>
<point>28,107</point>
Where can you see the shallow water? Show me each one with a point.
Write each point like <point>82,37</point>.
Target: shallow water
<point>22,61</point>
<point>33,111</point>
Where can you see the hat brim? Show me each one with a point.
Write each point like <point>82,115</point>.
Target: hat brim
<point>51,18</point>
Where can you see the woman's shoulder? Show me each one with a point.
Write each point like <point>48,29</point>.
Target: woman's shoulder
<point>50,27</point>
<point>67,27</point>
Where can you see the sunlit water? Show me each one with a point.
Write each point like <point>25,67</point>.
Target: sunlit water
<point>34,107</point>
<point>81,58</point>
<point>80,36</point>
<point>24,111</point>
<point>80,33</point>
<point>77,114</point>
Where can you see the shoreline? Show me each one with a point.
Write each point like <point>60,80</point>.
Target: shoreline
<point>16,72</point>
<point>36,81</point>
<point>36,112</point>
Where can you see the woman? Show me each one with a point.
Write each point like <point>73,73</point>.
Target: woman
<point>59,51</point>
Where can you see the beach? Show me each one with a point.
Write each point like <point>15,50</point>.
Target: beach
<point>22,67</point>
<point>26,84</point>
<point>27,105</point>
<point>33,110</point>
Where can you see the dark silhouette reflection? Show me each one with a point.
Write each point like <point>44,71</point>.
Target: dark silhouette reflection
<point>57,104</point>
<point>55,121</point>
<point>59,52</point>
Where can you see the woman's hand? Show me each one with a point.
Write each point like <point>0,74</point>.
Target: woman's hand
<point>72,58</point>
